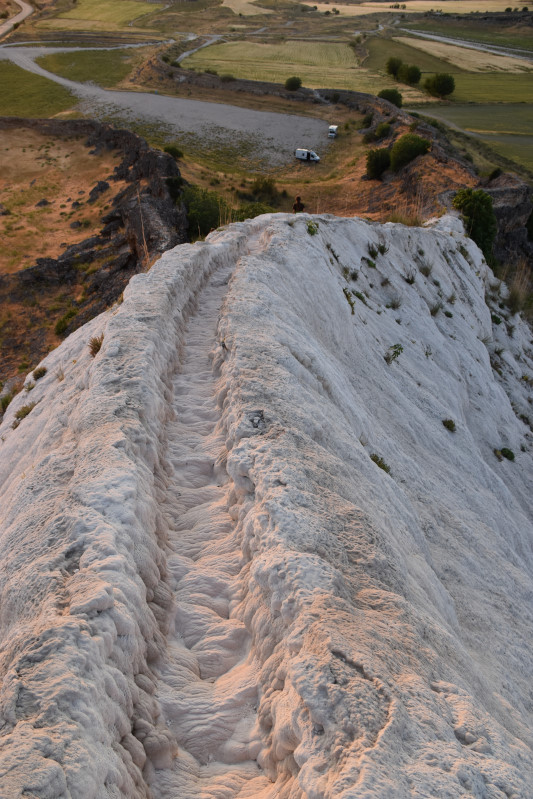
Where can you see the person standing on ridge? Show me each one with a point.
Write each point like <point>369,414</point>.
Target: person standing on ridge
<point>298,206</point>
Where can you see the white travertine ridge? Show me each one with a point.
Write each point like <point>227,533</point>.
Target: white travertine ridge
<point>209,589</point>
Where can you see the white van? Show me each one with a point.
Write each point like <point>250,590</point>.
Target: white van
<point>306,155</point>
<point>333,131</point>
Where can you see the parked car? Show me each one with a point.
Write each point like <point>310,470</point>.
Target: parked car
<point>306,155</point>
<point>333,131</point>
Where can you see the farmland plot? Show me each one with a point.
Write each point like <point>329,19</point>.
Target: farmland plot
<point>320,65</point>
<point>468,59</point>
<point>101,14</point>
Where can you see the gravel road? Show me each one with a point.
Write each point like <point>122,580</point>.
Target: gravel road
<point>25,11</point>
<point>265,137</point>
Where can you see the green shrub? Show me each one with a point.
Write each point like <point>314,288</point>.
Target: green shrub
<point>413,75</point>
<point>251,210</point>
<point>367,120</point>
<point>378,460</point>
<point>312,228</point>
<point>382,130</point>
<point>62,322</point>
<point>293,84</point>
<point>264,190</point>
<point>348,294</point>
<point>406,149</point>
<point>393,66</point>
<point>227,78</point>
<point>394,351</point>
<point>40,372</point>
<point>392,95</point>
<point>4,401</point>
<point>478,216</point>
<point>24,411</point>
<point>377,162</point>
<point>449,424</point>
<point>174,151</point>
<point>440,85</point>
<point>205,209</point>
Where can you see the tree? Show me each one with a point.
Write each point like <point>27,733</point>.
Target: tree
<point>293,84</point>
<point>377,161</point>
<point>478,216</point>
<point>205,209</point>
<point>440,85</point>
<point>413,74</point>
<point>406,148</point>
<point>393,65</point>
<point>392,95</point>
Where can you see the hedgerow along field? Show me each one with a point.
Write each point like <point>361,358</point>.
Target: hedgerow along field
<point>324,65</point>
<point>23,94</point>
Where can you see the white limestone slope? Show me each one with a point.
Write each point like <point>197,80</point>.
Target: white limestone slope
<point>207,586</point>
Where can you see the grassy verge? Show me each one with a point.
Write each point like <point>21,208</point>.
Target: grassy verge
<point>23,94</point>
<point>104,67</point>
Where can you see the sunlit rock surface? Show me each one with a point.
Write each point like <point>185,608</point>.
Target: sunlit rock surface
<point>241,555</point>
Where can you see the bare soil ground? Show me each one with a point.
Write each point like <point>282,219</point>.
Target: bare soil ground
<point>9,8</point>
<point>60,172</point>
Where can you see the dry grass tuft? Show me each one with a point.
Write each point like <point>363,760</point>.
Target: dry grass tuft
<point>95,343</point>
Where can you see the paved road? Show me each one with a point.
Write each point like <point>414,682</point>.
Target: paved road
<point>264,136</point>
<point>25,11</point>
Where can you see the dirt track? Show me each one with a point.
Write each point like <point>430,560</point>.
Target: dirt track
<point>265,136</point>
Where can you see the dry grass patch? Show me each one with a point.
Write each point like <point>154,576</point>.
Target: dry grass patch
<point>109,11</point>
<point>245,8</point>
<point>62,172</point>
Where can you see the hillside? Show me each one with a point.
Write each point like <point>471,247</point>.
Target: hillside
<point>242,555</point>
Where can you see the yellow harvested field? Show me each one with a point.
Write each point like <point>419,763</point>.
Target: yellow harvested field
<point>106,11</point>
<point>413,6</point>
<point>246,8</point>
<point>467,59</point>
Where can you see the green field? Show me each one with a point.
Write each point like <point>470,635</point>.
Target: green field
<point>104,67</point>
<point>516,148</point>
<point>507,129</point>
<point>477,32</point>
<point>512,119</point>
<point>381,49</point>
<point>23,94</point>
<point>324,65</point>
<point>493,87</point>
